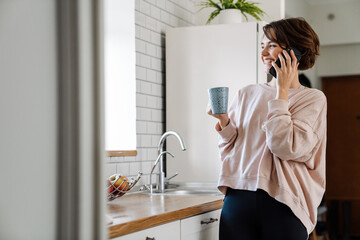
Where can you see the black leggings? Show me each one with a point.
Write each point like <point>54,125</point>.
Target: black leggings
<point>249,215</point>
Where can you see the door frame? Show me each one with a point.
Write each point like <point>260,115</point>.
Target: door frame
<point>81,152</point>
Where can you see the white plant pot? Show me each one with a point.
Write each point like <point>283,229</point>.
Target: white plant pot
<point>230,16</point>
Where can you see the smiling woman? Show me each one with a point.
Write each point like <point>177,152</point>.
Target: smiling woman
<point>119,68</point>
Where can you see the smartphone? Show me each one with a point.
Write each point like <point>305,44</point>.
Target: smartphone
<point>272,70</point>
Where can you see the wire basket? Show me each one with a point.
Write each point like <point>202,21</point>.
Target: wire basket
<point>118,185</point>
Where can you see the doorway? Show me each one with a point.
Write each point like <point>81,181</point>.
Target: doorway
<point>343,153</point>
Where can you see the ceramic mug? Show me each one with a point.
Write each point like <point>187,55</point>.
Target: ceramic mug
<point>218,97</point>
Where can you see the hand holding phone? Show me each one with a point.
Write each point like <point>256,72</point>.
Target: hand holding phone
<point>272,70</point>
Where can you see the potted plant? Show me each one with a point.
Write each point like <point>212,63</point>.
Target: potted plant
<point>241,6</point>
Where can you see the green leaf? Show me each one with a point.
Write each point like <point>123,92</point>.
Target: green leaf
<point>213,15</point>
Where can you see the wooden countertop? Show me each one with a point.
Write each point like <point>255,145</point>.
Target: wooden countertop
<point>134,212</point>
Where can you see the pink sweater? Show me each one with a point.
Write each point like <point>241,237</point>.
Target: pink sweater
<point>278,146</point>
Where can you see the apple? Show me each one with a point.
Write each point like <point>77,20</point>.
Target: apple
<point>110,187</point>
<point>119,182</point>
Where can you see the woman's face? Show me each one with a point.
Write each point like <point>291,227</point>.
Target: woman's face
<point>270,52</point>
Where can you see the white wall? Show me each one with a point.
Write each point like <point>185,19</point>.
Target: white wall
<point>339,38</point>
<point>343,29</point>
<point>28,106</point>
<point>339,60</point>
<point>296,8</point>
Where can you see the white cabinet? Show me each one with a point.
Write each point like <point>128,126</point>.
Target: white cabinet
<point>201,227</point>
<point>163,232</point>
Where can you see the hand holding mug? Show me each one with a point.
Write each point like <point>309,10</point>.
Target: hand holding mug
<point>218,104</point>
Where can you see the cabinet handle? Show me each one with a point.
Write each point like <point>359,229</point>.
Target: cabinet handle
<point>211,220</point>
<point>149,238</point>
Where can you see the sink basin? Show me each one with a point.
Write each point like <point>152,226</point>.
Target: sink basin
<point>188,189</point>
<point>187,192</point>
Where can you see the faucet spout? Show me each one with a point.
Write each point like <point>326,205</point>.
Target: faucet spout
<point>165,135</point>
<point>160,157</point>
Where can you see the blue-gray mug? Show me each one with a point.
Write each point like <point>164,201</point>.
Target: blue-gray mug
<point>219,99</point>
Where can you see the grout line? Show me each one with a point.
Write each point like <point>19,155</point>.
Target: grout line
<point>165,10</point>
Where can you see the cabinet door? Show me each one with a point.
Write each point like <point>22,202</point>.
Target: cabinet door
<point>201,227</point>
<point>163,232</point>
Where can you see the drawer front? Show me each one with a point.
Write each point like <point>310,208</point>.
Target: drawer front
<point>201,227</point>
<point>163,232</point>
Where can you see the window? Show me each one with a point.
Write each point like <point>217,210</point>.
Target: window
<point>119,69</point>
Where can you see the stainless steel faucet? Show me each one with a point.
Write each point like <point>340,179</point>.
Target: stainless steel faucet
<point>156,162</point>
<point>161,153</point>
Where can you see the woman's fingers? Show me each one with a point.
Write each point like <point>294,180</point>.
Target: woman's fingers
<point>208,109</point>
<point>294,59</point>
<point>288,58</point>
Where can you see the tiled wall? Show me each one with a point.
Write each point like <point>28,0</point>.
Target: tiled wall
<point>152,17</point>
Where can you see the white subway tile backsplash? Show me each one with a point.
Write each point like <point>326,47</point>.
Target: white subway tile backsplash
<point>151,75</point>
<point>137,55</point>
<point>146,167</point>
<point>144,7</point>
<point>156,89</point>
<point>140,100</point>
<point>151,103</point>
<point>110,169</point>
<point>161,3</point>
<point>145,34</point>
<point>160,78</point>
<point>159,52</point>
<point>152,152</point>
<point>174,21</point>
<point>145,61</point>
<point>164,16</point>
<point>138,86</point>
<point>141,73</point>
<point>135,167</point>
<point>145,87</point>
<point>137,31</point>
<point>156,115</point>
<point>156,64</point>
<point>151,23</point>
<point>141,126</point>
<point>155,141</point>
<point>155,12</point>
<point>151,49</point>
<point>160,103</point>
<point>123,168</point>
<point>141,153</point>
<point>145,140</point>
<point>151,128</point>
<point>155,38</point>
<point>160,128</point>
<point>140,20</point>
<point>137,4</point>
<point>145,114</point>
<point>140,46</point>
<point>152,17</point>
<point>170,7</point>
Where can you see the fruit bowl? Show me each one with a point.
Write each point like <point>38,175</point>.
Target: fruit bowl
<point>118,185</point>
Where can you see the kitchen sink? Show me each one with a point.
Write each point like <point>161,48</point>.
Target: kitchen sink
<point>188,189</point>
<point>187,192</point>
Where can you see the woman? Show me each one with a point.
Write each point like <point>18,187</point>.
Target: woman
<point>272,144</point>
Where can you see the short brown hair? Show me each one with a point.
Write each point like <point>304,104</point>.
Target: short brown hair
<point>296,32</point>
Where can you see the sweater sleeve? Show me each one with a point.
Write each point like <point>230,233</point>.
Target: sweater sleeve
<point>295,136</point>
<point>228,134</point>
